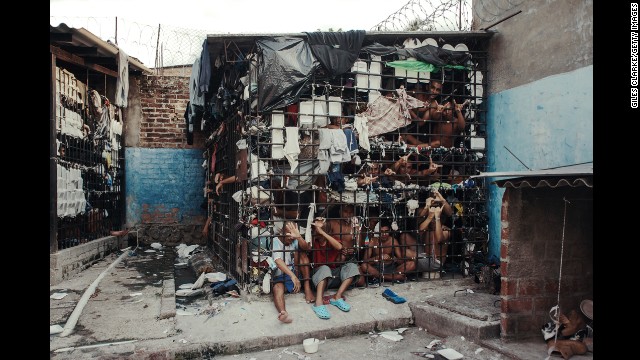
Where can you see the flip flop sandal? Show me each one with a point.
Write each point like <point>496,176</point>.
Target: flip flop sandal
<point>321,311</point>
<point>340,304</point>
<point>326,298</point>
<point>393,297</point>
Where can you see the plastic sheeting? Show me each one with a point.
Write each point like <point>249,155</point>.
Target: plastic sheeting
<point>336,51</point>
<point>428,53</point>
<point>412,65</point>
<point>416,65</point>
<point>285,68</point>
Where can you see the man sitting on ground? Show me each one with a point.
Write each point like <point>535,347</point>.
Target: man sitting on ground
<point>384,256</point>
<point>286,255</point>
<point>331,270</point>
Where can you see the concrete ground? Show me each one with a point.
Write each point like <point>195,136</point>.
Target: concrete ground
<point>134,314</point>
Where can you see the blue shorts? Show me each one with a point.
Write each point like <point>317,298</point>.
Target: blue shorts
<point>286,279</point>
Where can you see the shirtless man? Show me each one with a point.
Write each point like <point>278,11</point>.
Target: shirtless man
<point>419,129</point>
<point>414,133</point>
<point>451,124</point>
<point>346,230</point>
<point>384,256</point>
<point>446,123</point>
<point>432,235</point>
<point>407,171</point>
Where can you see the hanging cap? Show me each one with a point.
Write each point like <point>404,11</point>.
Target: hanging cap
<point>587,308</point>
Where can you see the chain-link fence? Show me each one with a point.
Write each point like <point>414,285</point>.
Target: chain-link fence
<point>164,46</point>
<point>156,46</point>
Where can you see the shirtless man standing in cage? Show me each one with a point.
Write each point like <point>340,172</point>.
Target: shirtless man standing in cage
<point>446,123</point>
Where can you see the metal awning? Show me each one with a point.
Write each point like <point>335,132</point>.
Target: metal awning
<point>572,175</point>
<point>82,48</point>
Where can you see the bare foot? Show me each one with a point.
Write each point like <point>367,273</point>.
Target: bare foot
<point>310,298</point>
<point>284,317</point>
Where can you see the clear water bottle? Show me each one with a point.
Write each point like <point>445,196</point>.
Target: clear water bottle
<point>272,263</point>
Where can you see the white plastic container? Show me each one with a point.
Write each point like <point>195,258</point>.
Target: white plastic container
<point>310,345</point>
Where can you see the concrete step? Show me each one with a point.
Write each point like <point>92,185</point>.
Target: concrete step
<point>475,316</point>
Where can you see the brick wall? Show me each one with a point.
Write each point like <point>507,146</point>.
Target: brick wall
<point>165,193</point>
<point>163,100</point>
<point>65,263</point>
<point>535,255</point>
<point>164,175</point>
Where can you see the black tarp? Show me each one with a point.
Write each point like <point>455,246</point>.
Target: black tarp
<point>427,53</point>
<point>285,68</point>
<point>336,50</point>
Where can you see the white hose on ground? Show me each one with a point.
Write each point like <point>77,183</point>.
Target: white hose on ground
<point>94,346</point>
<point>73,319</point>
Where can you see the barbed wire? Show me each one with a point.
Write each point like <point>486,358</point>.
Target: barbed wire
<point>162,46</point>
<point>174,47</point>
<point>429,15</point>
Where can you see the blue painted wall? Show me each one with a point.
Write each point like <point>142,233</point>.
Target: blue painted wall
<point>164,186</point>
<point>545,123</point>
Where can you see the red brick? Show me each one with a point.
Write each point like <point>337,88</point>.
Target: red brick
<point>508,287</point>
<point>544,303</point>
<point>529,287</point>
<point>526,326</point>
<point>503,325</point>
<point>550,286</point>
<point>504,233</point>
<point>510,325</point>
<point>520,306</point>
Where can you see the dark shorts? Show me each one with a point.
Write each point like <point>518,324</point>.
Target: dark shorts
<point>286,279</point>
<point>385,268</point>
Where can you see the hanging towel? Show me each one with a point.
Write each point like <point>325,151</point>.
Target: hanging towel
<point>122,82</point>
<point>292,147</point>
<point>352,143</point>
<point>323,150</point>
<point>307,234</point>
<point>195,96</point>
<point>339,151</point>
<point>360,124</point>
<point>204,73</point>
<point>385,115</point>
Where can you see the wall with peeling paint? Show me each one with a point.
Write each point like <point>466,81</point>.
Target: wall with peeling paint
<point>540,86</point>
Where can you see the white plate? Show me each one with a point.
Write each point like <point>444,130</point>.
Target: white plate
<point>450,354</point>
<point>447,47</point>
<point>216,276</point>
<point>58,296</point>
<point>461,47</point>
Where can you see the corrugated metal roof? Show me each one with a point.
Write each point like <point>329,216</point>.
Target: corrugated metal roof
<point>572,175</point>
<point>551,182</point>
<point>90,49</point>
